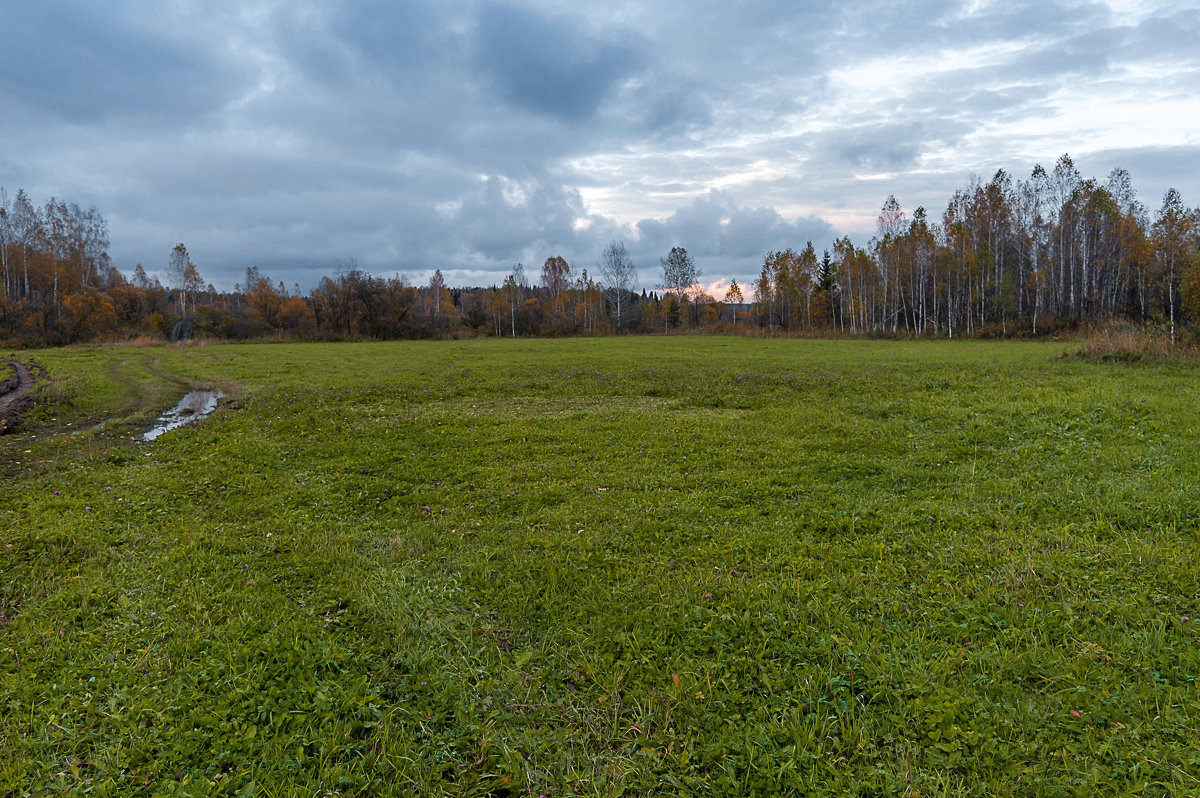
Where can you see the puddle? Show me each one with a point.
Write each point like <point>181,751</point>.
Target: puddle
<point>193,407</point>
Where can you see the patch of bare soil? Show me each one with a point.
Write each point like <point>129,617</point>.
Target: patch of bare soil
<point>16,395</point>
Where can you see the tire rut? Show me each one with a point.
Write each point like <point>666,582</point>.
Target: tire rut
<point>16,396</point>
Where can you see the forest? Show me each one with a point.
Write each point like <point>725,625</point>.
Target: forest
<point>1006,258</point>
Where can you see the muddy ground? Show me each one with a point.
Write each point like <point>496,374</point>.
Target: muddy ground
<point>16,393</point>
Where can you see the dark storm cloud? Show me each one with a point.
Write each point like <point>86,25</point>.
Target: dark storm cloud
<point>546,65</point>
<point>82,62</point>
<point>338,44</point>
<point>397,35</point>
<point>366,74</point>
<point>467,135</point>
<point>664,107</point>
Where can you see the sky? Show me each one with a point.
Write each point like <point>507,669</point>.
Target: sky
<point>400,136</point>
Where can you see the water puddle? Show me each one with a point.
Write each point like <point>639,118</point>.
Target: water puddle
<point>191,408</point>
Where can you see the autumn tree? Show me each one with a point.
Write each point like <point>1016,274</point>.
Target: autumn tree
<point>733,297</point>
<point>1173,231</point>
<point>263,299</point>
<point>87,315</point>
<point>294,314</point>
<point>556,280</point>
<point>556,276</point>
<point>787,287</point>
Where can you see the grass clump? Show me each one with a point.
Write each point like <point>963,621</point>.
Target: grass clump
<point>599,567</point>
<point>1131,343</point>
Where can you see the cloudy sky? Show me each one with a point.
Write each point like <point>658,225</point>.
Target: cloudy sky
<point>468,135</point>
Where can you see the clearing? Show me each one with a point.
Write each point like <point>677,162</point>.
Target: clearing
<point>687,566</point>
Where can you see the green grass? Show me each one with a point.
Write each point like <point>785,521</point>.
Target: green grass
<point>687,566</point>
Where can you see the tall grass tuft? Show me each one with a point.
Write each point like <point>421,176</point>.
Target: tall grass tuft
<point>1127,342</point>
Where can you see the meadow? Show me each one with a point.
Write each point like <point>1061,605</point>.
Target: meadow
<point>623,566</point>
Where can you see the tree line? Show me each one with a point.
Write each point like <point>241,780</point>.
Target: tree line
<point>1006,258</point>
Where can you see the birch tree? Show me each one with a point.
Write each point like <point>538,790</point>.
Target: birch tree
<point>679,273</point>
<point>26,230</point>
<point>5,237</point>
<point>618,275</point>
<point>1172,241</point>
<point>177,267</point>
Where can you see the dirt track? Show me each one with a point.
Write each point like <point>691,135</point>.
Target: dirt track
<point>16,396</point>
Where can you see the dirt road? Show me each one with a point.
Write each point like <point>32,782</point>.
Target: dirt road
<point>16,396</point>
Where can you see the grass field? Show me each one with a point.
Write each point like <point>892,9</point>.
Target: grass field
<point>685,566</point>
